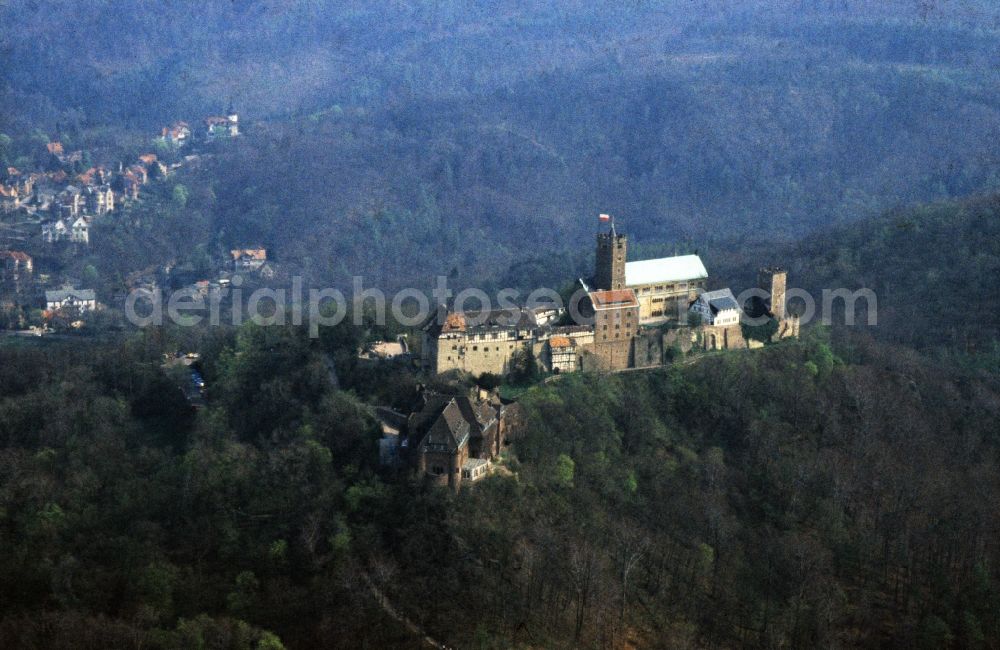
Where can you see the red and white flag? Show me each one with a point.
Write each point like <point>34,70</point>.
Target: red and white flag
<point>604,218</point>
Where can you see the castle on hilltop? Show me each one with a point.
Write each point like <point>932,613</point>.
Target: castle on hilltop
<point>638,309</point>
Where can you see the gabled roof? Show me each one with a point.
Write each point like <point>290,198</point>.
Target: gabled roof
<point>515,317</point>
<point>719,300</point>
<point>664,269</point>
<point>60,295</point>
<point>449,433</point>
<point>479,415</point>
<point>446,422</point>
<point>560,342</point>
<point>15,255</point>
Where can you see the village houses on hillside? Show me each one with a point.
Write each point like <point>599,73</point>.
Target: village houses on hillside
<point>60,204</point>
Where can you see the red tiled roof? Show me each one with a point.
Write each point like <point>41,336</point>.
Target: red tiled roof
<point>147,158</point>
<point>614,298</point>
<point>454,323</point>
<point>252,253</point>
<point>15,255</point>
<point>54,148</point>
<point>560,342</point>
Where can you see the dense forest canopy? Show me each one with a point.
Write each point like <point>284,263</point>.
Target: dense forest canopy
<point>835,490</point>
<point>816,493</point>
<point>927,266</point>
<point>390,127</point>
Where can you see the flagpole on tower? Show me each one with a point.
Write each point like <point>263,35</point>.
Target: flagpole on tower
<point>605,218</point>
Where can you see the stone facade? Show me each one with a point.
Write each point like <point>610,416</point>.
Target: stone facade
<point>774,280</point>
<point>449,439</point>
<point>610,266</point>
<point>647,349</point>
<point>664,287</point>
<point>477,343</point>
<point>625,300</point>
<point>616,323</point>
<point>722,337</point>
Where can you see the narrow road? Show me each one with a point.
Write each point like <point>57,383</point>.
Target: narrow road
<point>395,614</point>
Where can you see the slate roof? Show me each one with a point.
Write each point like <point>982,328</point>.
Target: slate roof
<point>719,300</point>
<point>60,295</point>
<point>450,432</point>
<point>449,421</point>
<point>479,415</point>
<point>516,318</point>
<point>664,269</point>
<point>474,463</point>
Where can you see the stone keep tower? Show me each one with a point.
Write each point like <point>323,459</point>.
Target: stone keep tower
<point>773,279</point>
<point>609,272</point>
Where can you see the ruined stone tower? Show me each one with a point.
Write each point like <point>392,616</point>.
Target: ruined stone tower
<point>609,272</point>
<point>772,279</point>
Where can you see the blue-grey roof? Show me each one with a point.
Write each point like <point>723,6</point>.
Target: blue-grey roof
<point>59,295</point>
<point>719,300</point>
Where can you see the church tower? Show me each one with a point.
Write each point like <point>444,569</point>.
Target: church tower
<point>609,272</point>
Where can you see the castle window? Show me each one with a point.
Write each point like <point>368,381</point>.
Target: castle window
<point>438,470</point>
<point>475,348</point>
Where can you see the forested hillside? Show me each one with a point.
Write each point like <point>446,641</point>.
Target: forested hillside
<point>934,269</point>
<point>438,138</point>
<point>837,490</point>
<point>811,494</point>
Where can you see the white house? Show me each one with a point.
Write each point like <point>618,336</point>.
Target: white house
<point>80,231</point>
<point>53,232</point>
<point>81,299</point>
<point>717,308</point>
